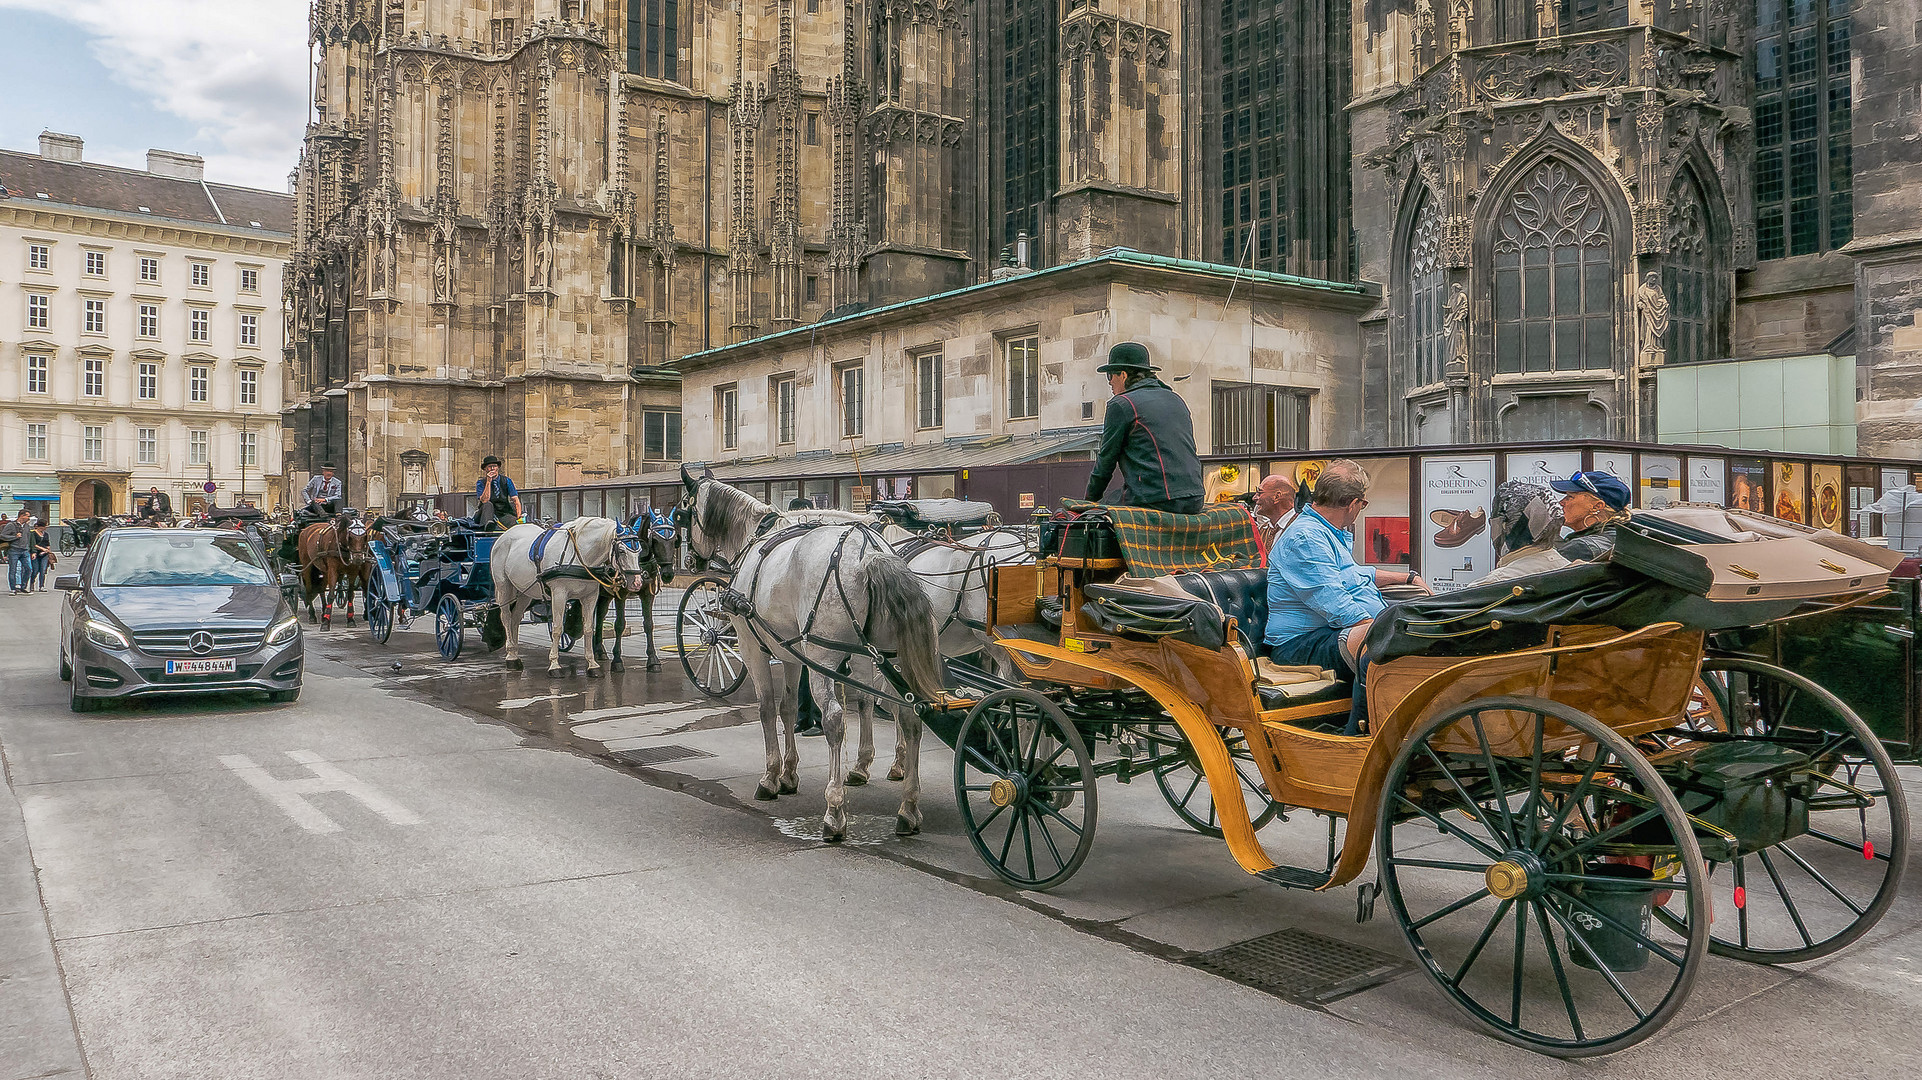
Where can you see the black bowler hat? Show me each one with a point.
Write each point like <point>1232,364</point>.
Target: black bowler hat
<point>326,468</point>
<point>489,460</point>
<point>1127,356</point>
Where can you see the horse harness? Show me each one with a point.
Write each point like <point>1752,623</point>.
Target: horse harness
<point>980,561</point>
<point>576,570</point>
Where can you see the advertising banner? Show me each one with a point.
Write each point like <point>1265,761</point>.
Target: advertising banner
<point>1789,477</point>
<point>1751,485</point>
<point>1825,497</point>
<point>1541,468</point>
<point>1456,547</point>
<point>1619,464</point>
<point>1705,480</point>
<point>1661,481</point>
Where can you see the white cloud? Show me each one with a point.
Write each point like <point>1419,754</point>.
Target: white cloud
<point>236,69</point>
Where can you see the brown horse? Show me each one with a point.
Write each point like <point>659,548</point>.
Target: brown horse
<point>323,565</point>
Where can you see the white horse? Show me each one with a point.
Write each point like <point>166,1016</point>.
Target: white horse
<point>956,576</point>
<point>579,559</point>
<point>821,593</point>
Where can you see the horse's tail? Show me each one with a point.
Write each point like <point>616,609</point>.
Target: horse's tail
<point>493,630</point>
<point>899,612</point>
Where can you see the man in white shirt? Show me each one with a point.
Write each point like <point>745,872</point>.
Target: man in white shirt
<point>1274,509</point>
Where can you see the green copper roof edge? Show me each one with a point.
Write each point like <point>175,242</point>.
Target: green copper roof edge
<point>1118,255</point>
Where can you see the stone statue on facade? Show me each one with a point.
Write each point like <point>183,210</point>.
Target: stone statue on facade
<point>1651,321</point>
<point>537,277</point>
<point>443,280</point>
<point>1457,318</point>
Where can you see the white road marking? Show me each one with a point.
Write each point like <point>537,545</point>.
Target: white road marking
<point>620,732</point>
<point>289,795</point>
<point>588,715</point>
<point>524,702</point>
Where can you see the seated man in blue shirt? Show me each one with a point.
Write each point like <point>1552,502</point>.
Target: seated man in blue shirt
<point>1320,604</point>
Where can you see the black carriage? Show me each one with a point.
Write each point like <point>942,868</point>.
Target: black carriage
<point>434,568</point>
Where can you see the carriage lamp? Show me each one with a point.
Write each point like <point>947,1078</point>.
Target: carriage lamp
<point>104,635</point>
<point>284,631</point>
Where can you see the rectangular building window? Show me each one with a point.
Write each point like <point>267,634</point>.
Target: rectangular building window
<point>96,322</point>
<point>200,325</point>
<point>814,129</point>
<point>149,446</point>
<point>36,442</point>
<point>1024,378</point>
<point>661,434</point>
<point>654,39</point>
<point>202,274</point>
<point>249,386</point>
<point>39,257</point>
<point>96,264</point>
<point>149,268</point>
<point>784,409</point>
<point>196,384</point>
<point>250,330</point>
<point>93,379</point>
<point>1803,168</point>
<point>39,312</point>
<point>250,449</point>
<point>150,320</point>
<point>93,444</point>
<point>727,413</point>
<point>1030,102</point>
<point>928,389</point>
<point>149,382</point>
<point>36,374</point>
<point>196,448</point>
<point>1259,419</point>
<point>249,280</point>
<point>810,288</point>
<point>853,380</point>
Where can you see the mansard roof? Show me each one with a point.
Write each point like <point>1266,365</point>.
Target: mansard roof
<point>26,177</point>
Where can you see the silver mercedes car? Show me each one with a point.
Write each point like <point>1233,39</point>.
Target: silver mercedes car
<point>176,611</point>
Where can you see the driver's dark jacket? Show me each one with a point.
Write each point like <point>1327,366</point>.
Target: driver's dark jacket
<point>1149,433</point>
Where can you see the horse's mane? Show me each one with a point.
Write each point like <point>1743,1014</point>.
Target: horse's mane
<point>730,515</point>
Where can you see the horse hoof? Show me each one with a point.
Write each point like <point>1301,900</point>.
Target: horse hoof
<point>616,666</point>
<point>904,827</point>
<point>513,665</point>
<point>593,673</point>
<point>833,836</point>
<point>555,673</point>
<point>789,787</point>
<point>653,665</point>
<point>857,779</point>
<point>764,793</point>
<point>896,774</point>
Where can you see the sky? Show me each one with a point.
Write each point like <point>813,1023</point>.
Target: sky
<point>225,79</point>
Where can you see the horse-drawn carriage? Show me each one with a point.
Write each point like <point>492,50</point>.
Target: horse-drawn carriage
<point>438,568</point>
<point>1569,797</point>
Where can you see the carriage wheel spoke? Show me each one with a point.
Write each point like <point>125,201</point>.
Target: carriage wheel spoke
<point>1007,844</point>
<point>1531,806</point>
<point>1844,844</point>
<point>1436,864</point>
<point>1612,832</point>
<point>1468,800</point>
<point>982,826</point>
<point>1521,958</point>
<point>1048,838</point>
<point>1495,779</point>
<point>1471,898</point>
<point>1555,962</point>
<point>1819,879</point>
<point>1788,901</point>
<point>1448,828</point>
<point>1027,843</point>
<point>1741,913</point>
<point>1048,808</point>
<point>1570,801</point>
<point>1481,942</point>
<point>1607,972</point>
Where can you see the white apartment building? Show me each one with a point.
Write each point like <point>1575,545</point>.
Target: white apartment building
<point>140,334</point>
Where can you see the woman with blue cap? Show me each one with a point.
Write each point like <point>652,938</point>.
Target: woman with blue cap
<point>1593,503</point>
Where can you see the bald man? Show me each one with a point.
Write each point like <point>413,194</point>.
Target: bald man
<point>1274,509</point>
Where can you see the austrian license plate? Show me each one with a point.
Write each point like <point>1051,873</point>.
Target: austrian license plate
<point>200,667</point>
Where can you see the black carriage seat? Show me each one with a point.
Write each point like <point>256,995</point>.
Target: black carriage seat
<point>1243,594</point>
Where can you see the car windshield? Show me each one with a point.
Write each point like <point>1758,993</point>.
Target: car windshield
<point>187,557</point>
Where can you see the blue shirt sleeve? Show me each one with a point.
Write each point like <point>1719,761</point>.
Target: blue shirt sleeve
<point>1313,574</point>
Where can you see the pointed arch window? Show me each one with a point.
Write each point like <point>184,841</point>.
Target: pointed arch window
<point>1427,294</point>
<point>1554,278</point>
<point>1689,276</point>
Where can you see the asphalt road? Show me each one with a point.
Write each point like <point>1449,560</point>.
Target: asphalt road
<point>448,871</point>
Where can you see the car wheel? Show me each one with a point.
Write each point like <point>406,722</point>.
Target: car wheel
<point>66,669</point>
<point>79,703</point>
<point>282,697</point>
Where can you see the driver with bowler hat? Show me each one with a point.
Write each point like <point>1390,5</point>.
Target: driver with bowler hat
<point>1149,433</point>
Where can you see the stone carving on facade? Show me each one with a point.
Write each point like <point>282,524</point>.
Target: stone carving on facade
<point>1651,322</point>
<point>537,267</point>
<point>443,276</point>
<point>1457,321</point>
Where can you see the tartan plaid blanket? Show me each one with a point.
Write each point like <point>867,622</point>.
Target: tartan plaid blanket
<point>1154,543</point>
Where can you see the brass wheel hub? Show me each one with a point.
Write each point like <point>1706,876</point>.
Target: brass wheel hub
<point>1507,880</point>
<point>1003,792</point>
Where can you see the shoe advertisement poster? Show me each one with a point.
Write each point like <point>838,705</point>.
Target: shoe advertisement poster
<point>1661,481</point>
<point>1456,546</point>
<point>1540,468</point>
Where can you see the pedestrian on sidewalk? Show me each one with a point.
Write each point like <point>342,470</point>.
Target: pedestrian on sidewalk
<point>17,537</point>
<point>43,556</point>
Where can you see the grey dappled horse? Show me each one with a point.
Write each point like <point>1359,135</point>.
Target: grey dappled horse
<point>821,592</point>
<point>580,558</point>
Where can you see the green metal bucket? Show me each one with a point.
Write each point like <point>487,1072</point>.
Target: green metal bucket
<point>1619,892</point>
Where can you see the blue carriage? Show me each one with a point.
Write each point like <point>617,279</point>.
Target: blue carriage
<point>434,568</point>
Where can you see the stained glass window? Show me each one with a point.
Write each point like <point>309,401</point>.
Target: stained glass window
<point>1427,295</point>
<point>1554,281</point>
<point>1689,278</point>
<point>1803,200</point>
<point>654,39</point>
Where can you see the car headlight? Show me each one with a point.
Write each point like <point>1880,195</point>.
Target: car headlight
<point>105,635</point>
<point>283,631</point>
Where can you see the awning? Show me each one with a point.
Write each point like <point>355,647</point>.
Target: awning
<point>21,487</point>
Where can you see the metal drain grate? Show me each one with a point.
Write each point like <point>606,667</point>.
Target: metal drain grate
<point>660,755</point>
<point>1307,967</point>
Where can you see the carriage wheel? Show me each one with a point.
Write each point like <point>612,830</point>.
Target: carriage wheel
<point>710,648</point>
<point>1025,782</point>
<point>566,640</point>
<point>1516,895</point>
<point>1817,892</point>
<point>380,618</point>
<point>1178,775</point>
<point>449,626</point>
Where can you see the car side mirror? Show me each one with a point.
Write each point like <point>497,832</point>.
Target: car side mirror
<point>67,582</point>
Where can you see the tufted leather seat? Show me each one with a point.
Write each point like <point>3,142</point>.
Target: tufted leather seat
<point>1242,594</point>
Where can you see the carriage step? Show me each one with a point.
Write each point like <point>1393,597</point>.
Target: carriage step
<point>1295,877</point>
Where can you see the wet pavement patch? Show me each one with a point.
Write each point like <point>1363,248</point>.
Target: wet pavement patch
<point>1303,967</point>
<point>659,755</point>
